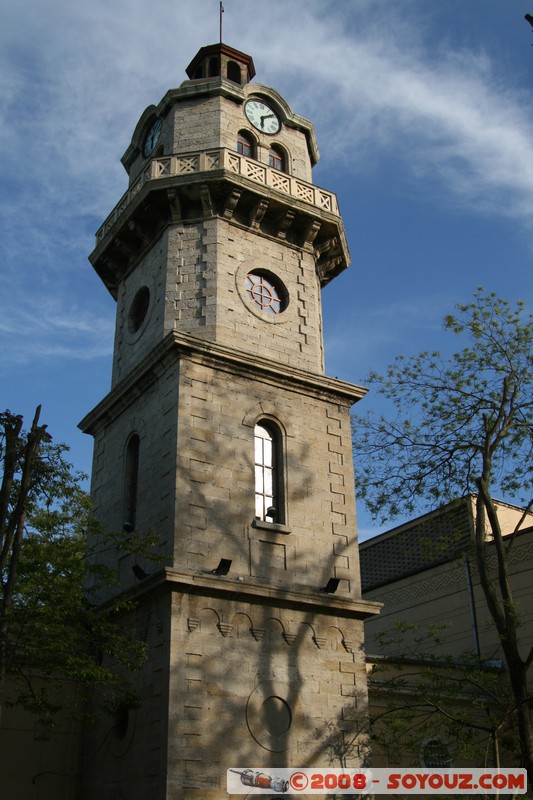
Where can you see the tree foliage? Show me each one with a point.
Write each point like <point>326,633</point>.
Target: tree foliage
<point>462,701</point>
<point>51,629</point>
<point>463,425</point>
<point>455,418</point>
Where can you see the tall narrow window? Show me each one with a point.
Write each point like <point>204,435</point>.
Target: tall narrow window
<point>234,72</point>
<point>245,144</point>
<point>131,478</point>
<point>267,474</point>
<point>276,158</point>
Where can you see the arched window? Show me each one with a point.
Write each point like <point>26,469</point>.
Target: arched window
<point>436,753</point>
<point>268,496</point>
<point>131,478</point>
<point>234,72</point>
<point>245,144</point>
<point>213,68</point>
<point>276,158</point>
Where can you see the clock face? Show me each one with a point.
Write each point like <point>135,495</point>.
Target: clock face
<point>262,116</point>
<point>152,138</point>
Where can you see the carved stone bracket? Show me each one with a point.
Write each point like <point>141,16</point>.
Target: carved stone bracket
<point>124,248</point>
<point>174,203</point>
<point>348,645</point>
<point>231,203</point>
<point>139,232</point>
<point>205,199</point>
<point>257,633</point>
<point>326,246</point>
<point>285,223</point>
<point>192,624</point>
<point>327,265</point>
<point>311,232</point>
<point>320,641</point>
<point>111,270</point>
<point>257,213</point>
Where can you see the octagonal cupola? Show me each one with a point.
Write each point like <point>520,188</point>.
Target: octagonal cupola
<point>221,61</point>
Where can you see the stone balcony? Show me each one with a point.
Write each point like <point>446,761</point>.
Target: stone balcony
<point>206,161</point>
<point>189,187</point>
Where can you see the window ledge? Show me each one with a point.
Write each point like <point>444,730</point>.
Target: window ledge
<point>273,527</point>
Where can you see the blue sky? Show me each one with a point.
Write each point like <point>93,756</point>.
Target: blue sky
<point>424,117</point>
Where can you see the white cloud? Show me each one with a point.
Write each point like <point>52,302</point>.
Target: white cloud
<point>374,76</point>
<point>367,64</point>
<point>45,328</point>
<point>447,117</point>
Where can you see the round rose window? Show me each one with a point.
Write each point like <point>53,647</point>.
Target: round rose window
<point>275,715</point>
<point>265,292</point>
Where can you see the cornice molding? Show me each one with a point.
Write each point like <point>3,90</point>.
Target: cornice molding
<point>176,347</point>
<point>248,591</point>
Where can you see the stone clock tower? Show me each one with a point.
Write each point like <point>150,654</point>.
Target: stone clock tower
<point>222,435</point>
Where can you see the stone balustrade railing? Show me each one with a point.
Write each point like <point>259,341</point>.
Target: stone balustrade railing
<point>210,160</point>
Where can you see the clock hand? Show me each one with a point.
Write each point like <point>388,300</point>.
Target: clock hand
<point>266,116</point>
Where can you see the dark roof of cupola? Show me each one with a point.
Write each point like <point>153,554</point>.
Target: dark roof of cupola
<point>221,60</point>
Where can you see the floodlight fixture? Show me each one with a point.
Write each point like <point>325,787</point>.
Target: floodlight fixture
<point>223,567</point>
<point>331,586</point>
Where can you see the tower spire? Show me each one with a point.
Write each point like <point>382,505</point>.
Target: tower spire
<point>221,12</point>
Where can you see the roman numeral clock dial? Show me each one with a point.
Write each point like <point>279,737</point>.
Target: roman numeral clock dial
<point>152,138</point>
<point>262,117</point>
